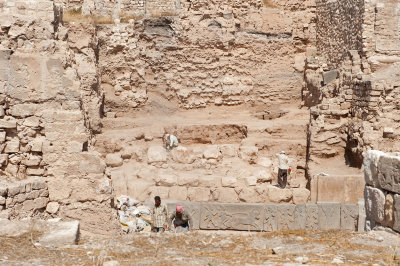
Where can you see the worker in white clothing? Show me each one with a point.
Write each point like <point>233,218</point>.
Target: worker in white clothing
<point>283,169</point>
<point>171,141</point>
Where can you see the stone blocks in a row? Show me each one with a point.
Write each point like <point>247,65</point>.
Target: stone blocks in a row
<point>271,217</point>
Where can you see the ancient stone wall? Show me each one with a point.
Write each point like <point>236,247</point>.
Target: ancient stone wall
<point>219,58</point>
<point>382,191</point>
<point>339,29</point>
<point>49,110</point>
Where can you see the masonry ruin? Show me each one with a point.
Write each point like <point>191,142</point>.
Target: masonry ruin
<point>89,88</point>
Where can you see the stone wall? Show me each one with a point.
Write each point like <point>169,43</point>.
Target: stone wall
<point>272,217</point>
<point>25,198</point>
<point>382,191</point>
<point>339,29</point>
<point>49,109</point>
<point>219,58</point>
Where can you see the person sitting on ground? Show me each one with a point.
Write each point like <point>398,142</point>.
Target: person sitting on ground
<point>182,220</point>
<point>171,141</point>
<point>159,216</point>
<point>283,169</point>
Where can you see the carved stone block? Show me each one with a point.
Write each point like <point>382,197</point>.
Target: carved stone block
<point>349,217</point>
<point>231,216</point>
<point>328,215</point>
<point>192,207</point>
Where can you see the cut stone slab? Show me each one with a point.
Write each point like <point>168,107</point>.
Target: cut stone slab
<point>374,204</point>
<point>330,76</point>
<point>311,216</point>
<point>396,225</point>
<point>156,154</point>
<point>371,160</point>
<point>361,216</point>
<point>328,215</point>
<point>270,217</point>
<point>61,233</point>
<point>192,207</point>
<point>349,217</point>
<point>286,216</point>
<point>389,173</point>
<point>231,216</point>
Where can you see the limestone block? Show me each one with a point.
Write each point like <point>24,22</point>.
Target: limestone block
<point>35,171</point>
<point>61,233</point>
<point>198,194</point>
<point>250,181</point>
<point>251,195</point>
<point>374,204</point>
<point>301,195</point>
<point>183,155</point>
<point>278,195</point>
<point>225,195</point>
<point>349,217</point>
<point>228,151</point>
<point>23,110</point>
<point>38,184</point>
<point>396,225</point>
<point>156,154</point>
<point>40,202</point>
<point>265,162</point>
<point>209,181</point>
<point>8,124</point>
<point>263,176</point>
<point>52,207</point>
<point>32,160</point>
<point>228,216</point>
<point>33,194</point>
<point>229,181</point>
<point>36,145</point>
<point>248,153</point>
<point>32,121</point>
<point>166,180</point>
<point>2,136</point>
<point>3,159</point>
<point>158,191</point>
<point>3,190</point>
<point>300,215</point>
<point>328,215</point>
<point>270,218</point>
<point>389,173</point>
<point>371,160</point>
<point>286,216</point>
<point>192,207</point>
<point>361,215</point>
<point>389,210</point>
<point>212,152</point>
<point>19,198</point>
<point>188,180</point>
<point>330,76</point>
<point>114,160</point>
<point>12,146</point>
<point>15,189</point>
<point>178,193</point>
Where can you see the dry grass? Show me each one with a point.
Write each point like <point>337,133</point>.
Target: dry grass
<point>75,15</point>
<point>268,3</point>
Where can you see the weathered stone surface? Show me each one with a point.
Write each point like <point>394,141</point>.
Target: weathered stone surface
<point>183,155</point>
<point>389,173</point>
<point>286,219</point>
<point>232,216</point>
<point>178,193</point>
<point>229,181</point>
<point>361,216</point>
<point>375,204</point>
<point>389,210</point>
<point>166,180</point>
<point>311,216</point>
<point>248,153</point>
<point>371,160</point>
<point>396,225</point>
<point>52,207</point>
<point>349,217</point>
<point>252,195</point>
<point>12,146</point>
<point>114,160</point>
<point>270,218</point>
<point>328,215</point>
<point>301,195</point>
<point>156,154</point>
<point>225,194</point>
<point>198,194</point>
<point>8,124</point>
<point>278,195</point>
<point>192,207</point>
<point>212,152</point>
<point>61,233</point>
<point>330,76</point>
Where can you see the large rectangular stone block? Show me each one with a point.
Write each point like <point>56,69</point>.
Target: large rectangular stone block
<point>270,217</point>
<point>361,216</point>
<point>328,215</point>
<point>349,217</point>
<point>330,76</point>
<point>192,207</point>
<point>396,225</point>
<point>223,216</point>
<point>389,173</point>
<point>374,204</point>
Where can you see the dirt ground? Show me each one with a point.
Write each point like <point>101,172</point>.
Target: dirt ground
<point>210,248</point>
